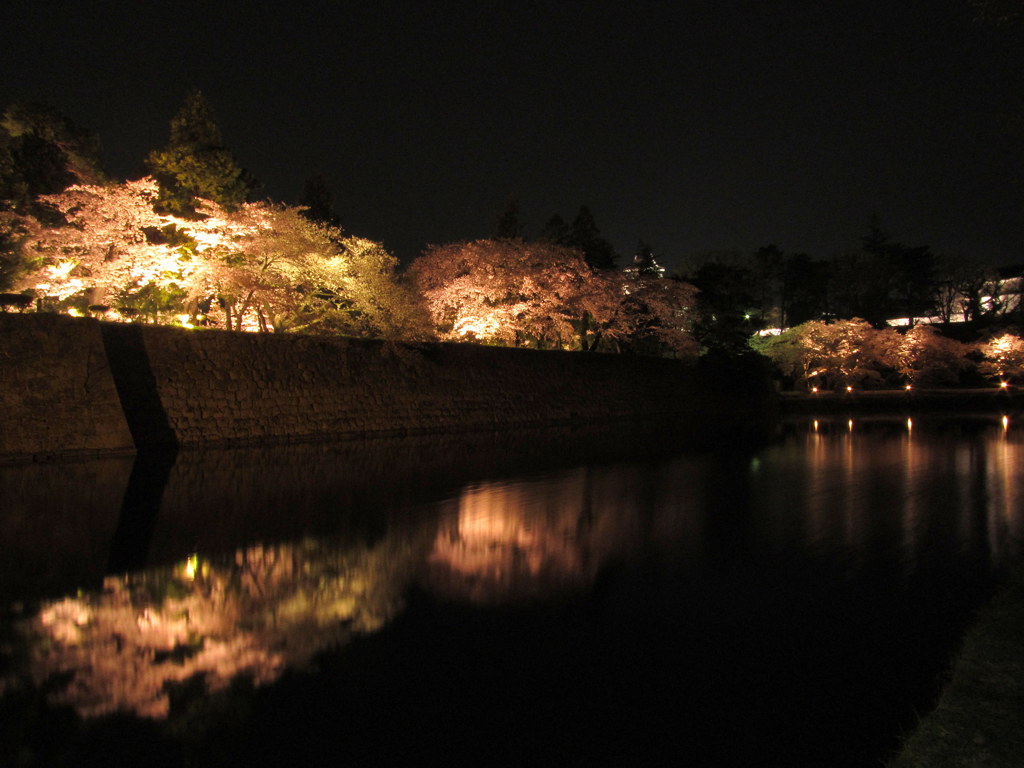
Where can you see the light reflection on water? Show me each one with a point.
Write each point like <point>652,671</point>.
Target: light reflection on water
<point>57,523</point>
<point>850,489</point>
<point>302,550</point>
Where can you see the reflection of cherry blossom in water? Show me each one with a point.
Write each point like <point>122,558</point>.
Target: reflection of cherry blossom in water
<point>268,608</point>
<point>508,541</point>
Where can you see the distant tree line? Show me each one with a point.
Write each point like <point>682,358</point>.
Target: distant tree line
<point>854,354</point>
<point>884,280</point>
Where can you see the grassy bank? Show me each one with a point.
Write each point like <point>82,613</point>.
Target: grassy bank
<point>979,718</point>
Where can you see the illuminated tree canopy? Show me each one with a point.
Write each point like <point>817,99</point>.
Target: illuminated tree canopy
<point>505,292</point>
<point>845,353</point>
<point>296,274</point>
<point>102,253</point>
<point>516,293</point>
<point>1003,357</point>
<point>645,314</point>
<point>853,353</point>
<point>924,356</point>
<point>261,267</point>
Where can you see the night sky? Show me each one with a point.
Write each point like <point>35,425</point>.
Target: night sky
<point>708,125</point>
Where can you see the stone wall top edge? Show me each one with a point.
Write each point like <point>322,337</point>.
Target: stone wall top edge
<point>37,320</point>
<point>440,349</point>
<point>444,348</point>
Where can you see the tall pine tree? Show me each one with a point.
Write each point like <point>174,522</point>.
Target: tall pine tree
<point>196,163</point>
<point>586,237</point>
<point>508,224</point>
<point>318,201</point>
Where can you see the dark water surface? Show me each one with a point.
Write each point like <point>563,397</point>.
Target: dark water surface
<point>571,598</point>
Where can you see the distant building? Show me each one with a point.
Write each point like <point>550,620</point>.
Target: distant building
<point>644,264</point>
<point>1000,295</point>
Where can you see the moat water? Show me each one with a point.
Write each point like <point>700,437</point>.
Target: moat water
<point>578,597</point>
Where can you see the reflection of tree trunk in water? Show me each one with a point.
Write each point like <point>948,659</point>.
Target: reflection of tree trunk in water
<point>139,510</point>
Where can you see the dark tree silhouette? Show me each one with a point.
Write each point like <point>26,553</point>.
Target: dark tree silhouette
<point>43,152</point>
<point>884,280</point>
<point>508,225</point>
<point>1001,13</point>
<point>804,289</point>
<point>585,237</point>
<point>319,201</point>
<point>725,298</point>
<point>766,270</point>
<point>555,231</point>
<point>909,272</point>
<point>13,262</point>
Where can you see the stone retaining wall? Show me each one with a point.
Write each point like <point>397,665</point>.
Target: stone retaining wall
<point>57,395</point>
<point>221,387</point>
<point>188,388</point>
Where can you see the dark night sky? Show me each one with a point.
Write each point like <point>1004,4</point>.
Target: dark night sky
<point>697,126</point>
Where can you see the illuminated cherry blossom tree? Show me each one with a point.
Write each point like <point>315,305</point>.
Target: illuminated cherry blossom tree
<point>656,316</point>
<point>516,293</point>
<point>256,273</point>
<point>261,267</point>
<point>111,246</point>
<point>831,355</point>
<point>380,302</point>
<point>1003,357</point>
<point>853,353</point>
<point>296,274</point>
<point>925,357</point>
<point>626,312</point>
<point>506,292</point>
